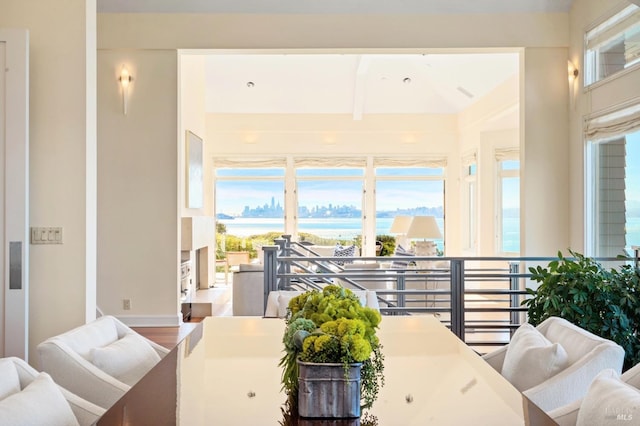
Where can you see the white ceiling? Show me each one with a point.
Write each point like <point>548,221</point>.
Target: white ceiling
<point>333,6</point>
<point>353,84</point>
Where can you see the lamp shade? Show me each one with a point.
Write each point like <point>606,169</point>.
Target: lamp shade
<point>424,227</point>
<point>400,225</point>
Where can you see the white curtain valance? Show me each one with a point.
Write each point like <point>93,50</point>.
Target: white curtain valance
<point>508,154</point>
<point>433,162</point>
<point>614,124</point>
<point>249,163</point>
<point>323,162</point>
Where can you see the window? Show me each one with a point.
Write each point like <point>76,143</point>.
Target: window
<point>323,199</point>
<point>613,46</point>
<point>615,173</point>
<point>250,201</point>
<point>613,198</point>
<point>409,191</point>
<point>508,220</point>
<point>330,203</point>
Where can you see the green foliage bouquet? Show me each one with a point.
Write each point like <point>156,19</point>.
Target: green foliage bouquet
<point>331,326</point>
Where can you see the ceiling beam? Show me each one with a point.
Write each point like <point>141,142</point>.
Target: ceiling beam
<point>360,86</point>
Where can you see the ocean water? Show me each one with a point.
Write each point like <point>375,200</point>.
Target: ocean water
<point>351,227</point>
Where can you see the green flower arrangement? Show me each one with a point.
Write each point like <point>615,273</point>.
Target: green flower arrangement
<point>331,326</point>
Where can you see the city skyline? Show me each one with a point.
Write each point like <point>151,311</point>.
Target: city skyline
<point>275,210</point>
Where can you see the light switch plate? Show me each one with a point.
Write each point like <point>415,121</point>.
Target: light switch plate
<point>46,235</point>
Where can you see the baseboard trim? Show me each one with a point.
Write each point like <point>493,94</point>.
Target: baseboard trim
<point>151,320</point>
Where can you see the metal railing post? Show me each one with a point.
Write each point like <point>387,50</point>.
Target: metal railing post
<point>283,267</point>
<point>400,287</point>
<point>270,266</point>
<point>457,298</point>
<point>514,285</point>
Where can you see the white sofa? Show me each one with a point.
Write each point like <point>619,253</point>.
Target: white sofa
<point>28,397</point>
<point>587,353</point>
<point>99,361</point>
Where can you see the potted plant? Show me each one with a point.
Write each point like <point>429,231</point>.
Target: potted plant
<point>580,290</point>
<point>325,330</point>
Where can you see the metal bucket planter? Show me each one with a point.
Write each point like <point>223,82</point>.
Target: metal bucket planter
<point>325,391</point>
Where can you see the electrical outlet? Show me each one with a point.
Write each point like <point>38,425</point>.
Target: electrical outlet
<point>126,304</point>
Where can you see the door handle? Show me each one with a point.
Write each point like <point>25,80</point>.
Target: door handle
<point>15,265</point>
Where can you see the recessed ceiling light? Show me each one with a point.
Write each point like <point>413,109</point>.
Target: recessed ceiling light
<point>250,84</point>
<point>406,80</point>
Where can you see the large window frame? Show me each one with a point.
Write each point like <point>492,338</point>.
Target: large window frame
<point>319,175</point>
<point>368,178</point>
<point>611,199</point>
<point>613,46</point>
<point>246,173</point>
<point>432,172</point>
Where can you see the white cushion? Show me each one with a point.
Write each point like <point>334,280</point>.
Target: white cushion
<point>250,267</point>
<point>40,403</point>
<point>401,264</point>
<point>609,401</point>
<point>283,301</point>
<point>340,251</point>
<point>9,380</point>
<point>531,358</point>
<point>272,308</point>
<point>97,333</point>
<point>126,359</point>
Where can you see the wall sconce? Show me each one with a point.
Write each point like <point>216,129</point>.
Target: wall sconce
<point>573,82</point>
<point>573,71</point>
<point>125,80</point>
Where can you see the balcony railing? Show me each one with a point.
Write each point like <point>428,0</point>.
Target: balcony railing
<point>478,298</point>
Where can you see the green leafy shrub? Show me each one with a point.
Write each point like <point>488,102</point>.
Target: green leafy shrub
<point>388,244</point>
<point>582,291</point>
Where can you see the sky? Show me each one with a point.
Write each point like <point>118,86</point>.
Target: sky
<point>233,196</point>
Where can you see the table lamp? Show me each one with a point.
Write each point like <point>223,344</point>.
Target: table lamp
<point>425,227</point>
<point>400,226</point>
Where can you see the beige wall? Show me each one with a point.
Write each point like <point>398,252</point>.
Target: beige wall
<point>138,203</point>
<point>331,134</point>
<point>192,118</point>
<point>325,31</point>
<point>544,217</point>
<point>191,77</point>
<point>606,95</point>
<point>62,159</point>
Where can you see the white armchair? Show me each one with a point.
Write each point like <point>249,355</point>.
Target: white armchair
<point>42,399</point>
<point>567,415</point>
<point>278,301</point>
<point>587,355</point>
<point>99,361</point>
<point>247,297</point>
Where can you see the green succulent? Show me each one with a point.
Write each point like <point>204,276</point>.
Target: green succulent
<point>331,326</point>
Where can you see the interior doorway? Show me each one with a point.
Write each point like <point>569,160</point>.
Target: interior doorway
<point>14,194</point>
